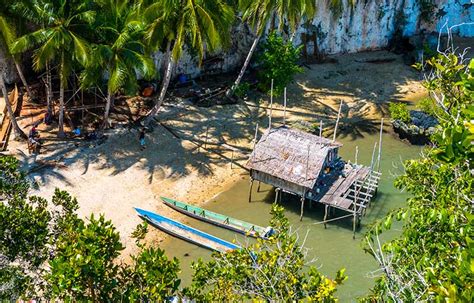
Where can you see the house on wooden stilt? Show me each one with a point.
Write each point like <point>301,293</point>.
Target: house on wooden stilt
<point>309,166</point>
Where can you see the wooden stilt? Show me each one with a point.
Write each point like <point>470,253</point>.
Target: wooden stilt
<point>258,187</point>
<point>271,106</point>
<point>279,196</point>
<point>326,208</point>
<point>320,129</point>
<point>356,154</point>
<point>337,122</point>
<point>250,190</point>
<point>380,146</point>
<point>302,205</point>
<point>232,159</point>
<point>354,224</point>
<point>277,191</point>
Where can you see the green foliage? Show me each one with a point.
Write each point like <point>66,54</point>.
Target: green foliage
<point>242,89</point>
<point>13,182</point>
<point>432,260</point>
<point>151,278</point>
<point>428,105</point>
<point>399,111</point>
<point>83,267</point>
<point>278,61</point>
<point>82,257</point>
<point>28,228</point>
<point>270,270</point>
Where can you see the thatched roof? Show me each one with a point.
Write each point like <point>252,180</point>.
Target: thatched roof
<point>291,154</point>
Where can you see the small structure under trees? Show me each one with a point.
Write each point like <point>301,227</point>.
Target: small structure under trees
<point>307,165</point>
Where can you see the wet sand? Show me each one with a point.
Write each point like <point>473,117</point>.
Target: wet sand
<point>116,176</point>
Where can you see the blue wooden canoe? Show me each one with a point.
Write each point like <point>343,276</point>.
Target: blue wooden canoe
<point>186,233</point>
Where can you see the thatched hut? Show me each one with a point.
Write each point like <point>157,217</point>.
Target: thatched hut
<point>291,159</point>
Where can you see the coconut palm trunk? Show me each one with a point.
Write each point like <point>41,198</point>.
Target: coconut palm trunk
<point>164,86</point>
<point>18,133</point>
<point>230,92</point>
<point>23,79</point>
<point>62,86</point>
<point>108,105</point>
<point>49,91</point>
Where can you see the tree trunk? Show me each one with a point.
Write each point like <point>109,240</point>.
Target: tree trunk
<point>18,133</point>
<point>108,105</point>
<point>230,92</point>
<point>49,91</point>
<point>62,84</point>
<point>164,86</point>
<point>23,79</point>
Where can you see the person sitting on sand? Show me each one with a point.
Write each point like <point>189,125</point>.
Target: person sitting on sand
<point>142,138</point>
<point>33,133</point>
<point>76,131</point>
<point>34,145</point>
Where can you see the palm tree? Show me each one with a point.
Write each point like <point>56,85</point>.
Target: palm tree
<point>8,24</point>
<point>18,133</point>
<point>257,14</point>
<point>203,25</point>
<point>63,23</point>
<point>119,52</point>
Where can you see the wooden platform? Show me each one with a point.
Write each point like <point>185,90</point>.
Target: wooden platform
<point>341,189</point>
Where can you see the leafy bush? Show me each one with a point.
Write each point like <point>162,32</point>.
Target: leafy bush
<point>278,61</point>
<point>399,111</point>
<point>431,260</point>
<point>429,106</point>
<point>242,89</point>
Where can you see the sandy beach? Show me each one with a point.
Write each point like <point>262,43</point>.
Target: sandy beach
<point>188,155</point>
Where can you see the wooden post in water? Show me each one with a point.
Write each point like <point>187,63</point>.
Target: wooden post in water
<point>356,154</point>
<point>380,146</point>
<point>271,106</point>
<point>232,159</point>
<point>337,122</point>
<point>326,208</point>
<point>277,192</point>
<point>284,107</point>
<point>250,190</point>
<point>258,187</point>
<point>373,155</point>
<point>302,205</point>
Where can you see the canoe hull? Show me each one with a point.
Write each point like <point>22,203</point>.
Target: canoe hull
<point>248,232</point>
<point>186,233</point>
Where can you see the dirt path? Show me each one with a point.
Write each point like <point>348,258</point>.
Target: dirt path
<point>116,176</point>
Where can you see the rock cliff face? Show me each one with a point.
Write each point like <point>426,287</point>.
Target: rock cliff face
<point>368,25</point>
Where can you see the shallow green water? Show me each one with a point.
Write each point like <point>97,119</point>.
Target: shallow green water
<point>333,247</point>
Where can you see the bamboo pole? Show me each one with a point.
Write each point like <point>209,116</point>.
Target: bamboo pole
<point>320,129</point>
<point>356,154</point>
<point>325,215</point>
<point>302,205</point>
<point>250,190</point>
<point>337,122</point>
<point>255,141</point>
<point>277,192</point>
<point>373,156</point>
<point>271,106</point>
<point>307,162</point>
<point>380,146</point>
<point>284,106</point>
